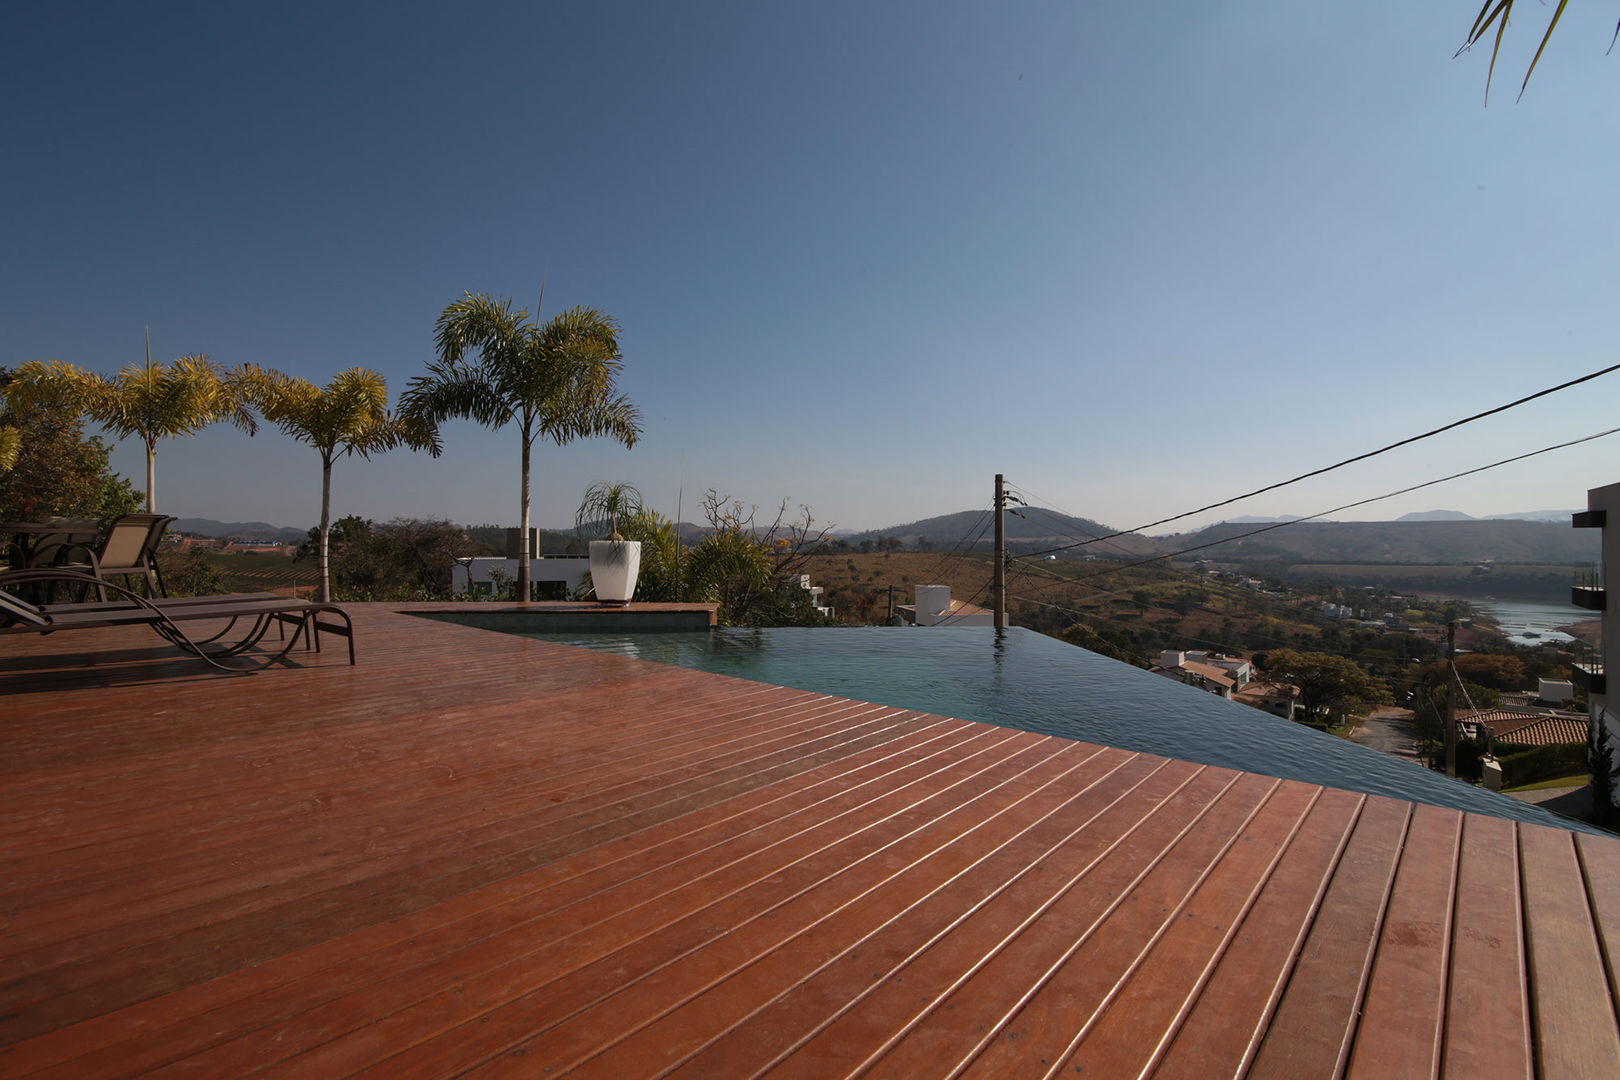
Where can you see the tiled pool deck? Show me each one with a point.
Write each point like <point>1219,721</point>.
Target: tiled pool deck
<point>479,854</point>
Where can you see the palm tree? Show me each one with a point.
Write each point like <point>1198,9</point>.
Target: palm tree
<point>10,446</point>
<point>349,415</point>
<point>554,379</point>
<point>152,401</point>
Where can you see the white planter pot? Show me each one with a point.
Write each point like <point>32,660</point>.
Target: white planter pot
<point>614,566</point>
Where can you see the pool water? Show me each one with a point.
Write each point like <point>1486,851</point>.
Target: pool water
<point>1029,681</point>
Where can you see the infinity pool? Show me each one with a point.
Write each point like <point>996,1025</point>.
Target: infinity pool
<point>1036,683</point>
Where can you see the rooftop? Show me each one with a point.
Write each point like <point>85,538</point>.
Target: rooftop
<point>1530,728</point>
<point>477,852</point>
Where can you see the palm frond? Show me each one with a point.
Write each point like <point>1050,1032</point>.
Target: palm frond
<point>1558,13</point>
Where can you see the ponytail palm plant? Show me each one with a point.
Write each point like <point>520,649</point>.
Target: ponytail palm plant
<point>149,401</point>
<point>607,503</point>
<point>498,366</point>
<point>349,415</point>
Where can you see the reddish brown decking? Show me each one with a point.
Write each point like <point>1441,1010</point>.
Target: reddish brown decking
<point>479,855</point>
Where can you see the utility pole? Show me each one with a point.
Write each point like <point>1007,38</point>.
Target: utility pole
<point>1451,699</point>
<point>998,582</point>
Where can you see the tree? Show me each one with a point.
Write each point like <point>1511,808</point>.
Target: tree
<point>149,401</point>
<point>660,576</point>
<point>1493,670</point>
<point>63,473</point>
<point>10,447</point>
<point>349,415</point>
<point>404,559</point>
<point>752,571</point>
<point>1330,687</point>
<point>555,379</point>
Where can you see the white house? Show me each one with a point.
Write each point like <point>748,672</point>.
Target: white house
<point>815,591</point>
<point>934,607</point>
<point>1206,676</point>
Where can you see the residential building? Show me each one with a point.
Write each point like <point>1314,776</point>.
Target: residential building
<point>1524,727</point>
<point>1200,673</point>
<point>1276,698</point>
<point>934,607</point>
<point>1589,593</point>
<point>815,592</point>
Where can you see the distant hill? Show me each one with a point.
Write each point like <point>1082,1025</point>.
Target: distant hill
<point>1399,543</point>
<point>1560,516</point>
<point>1437,515</point>
<point>247,530</point>
<point>1027,530</point>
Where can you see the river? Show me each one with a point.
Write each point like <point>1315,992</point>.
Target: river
<point>1529,622</point>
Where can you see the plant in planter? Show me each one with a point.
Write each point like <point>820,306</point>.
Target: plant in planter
<point>615,561</point>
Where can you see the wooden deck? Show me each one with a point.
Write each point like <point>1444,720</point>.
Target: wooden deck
<point>480,855</point>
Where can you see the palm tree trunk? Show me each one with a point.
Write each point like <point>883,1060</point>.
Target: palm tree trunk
<point>326,526</point>
<point>523,526</point>
<point>151,476</point>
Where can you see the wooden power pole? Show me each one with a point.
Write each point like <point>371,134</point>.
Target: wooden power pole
<point>998,582</point>
<point>1450,721</point>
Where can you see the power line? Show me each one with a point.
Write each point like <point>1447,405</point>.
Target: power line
<point>1052,515</point>
<point>983,521</point>
<point>1349,461</point>
<point>1338,509</point>
<point>1252,633</point>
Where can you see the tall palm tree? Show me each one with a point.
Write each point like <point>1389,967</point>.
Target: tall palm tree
<point>349,415</point>
<point>151,401</point>
<point>554,379</point>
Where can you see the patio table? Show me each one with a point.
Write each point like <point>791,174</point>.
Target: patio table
<point>22,538</point>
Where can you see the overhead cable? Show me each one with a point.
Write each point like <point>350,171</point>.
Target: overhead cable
<point>1346,461</point>
<point>1337,509</point>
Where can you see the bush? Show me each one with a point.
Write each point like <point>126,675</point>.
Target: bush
<point>1535,763</point>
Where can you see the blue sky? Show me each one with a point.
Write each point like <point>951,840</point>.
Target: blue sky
<point>1136,257</point>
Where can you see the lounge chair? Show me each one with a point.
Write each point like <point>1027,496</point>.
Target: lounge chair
<point>261,611</point>
<point>128,550</point>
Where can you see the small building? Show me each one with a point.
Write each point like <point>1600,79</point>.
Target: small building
<point>934,607</point>
<point>815,591</point>
<point>1205,676</point>
<point>1554,691</point>
<point>1238,668</point>
<point>1276,698</point>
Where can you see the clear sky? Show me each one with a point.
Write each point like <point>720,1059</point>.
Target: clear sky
<point>1136,257</point>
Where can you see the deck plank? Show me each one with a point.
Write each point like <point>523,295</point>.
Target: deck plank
<point>1311,1031</point>
<point>1227,1020</point>
<point>563,860</point>
<point>1401,1028</point>
<point>1487,1013</point>
<point>1600,863</point>
<point>1571,1010</point>
<point>1159,993</point>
